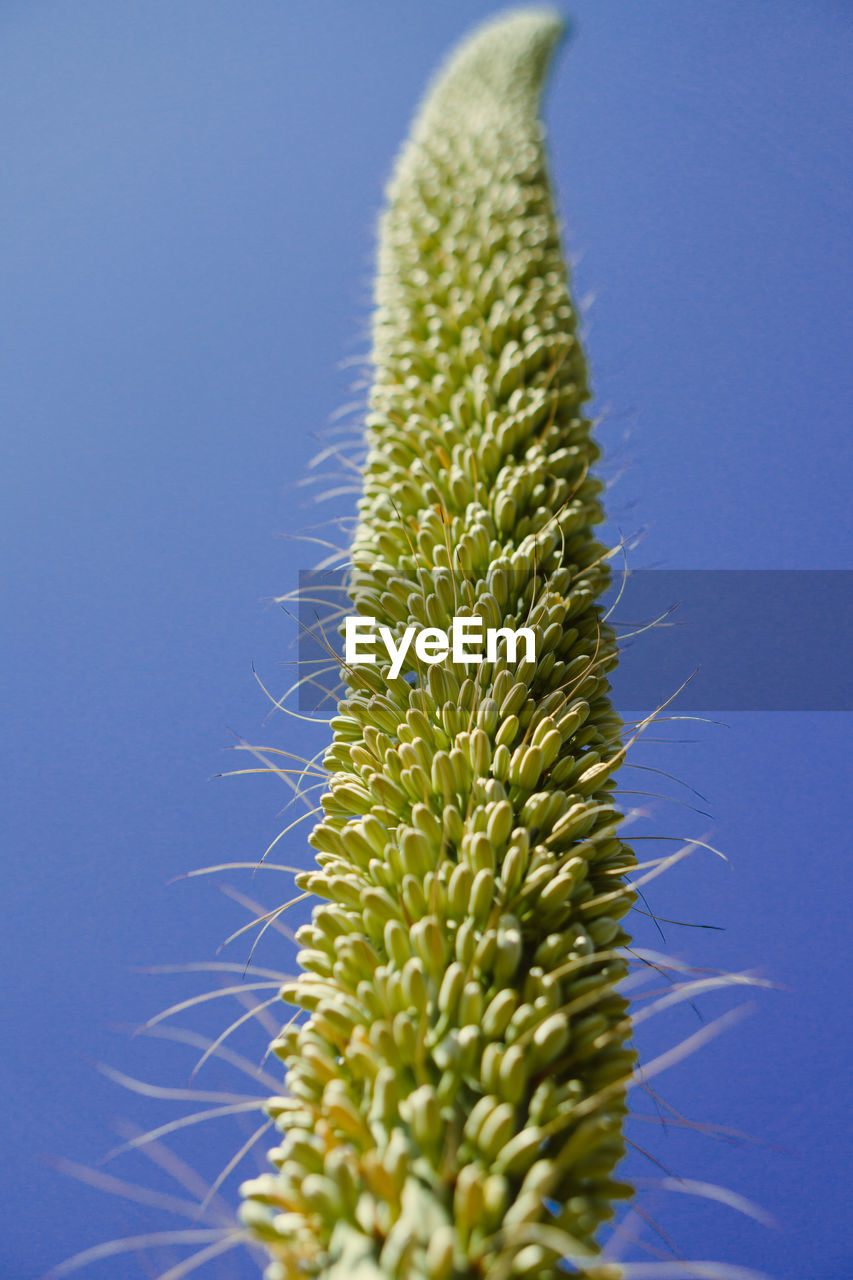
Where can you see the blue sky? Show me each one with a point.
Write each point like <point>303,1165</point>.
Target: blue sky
<point>188,230</point>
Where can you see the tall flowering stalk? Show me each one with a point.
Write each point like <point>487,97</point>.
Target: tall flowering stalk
<point>456,1094</point>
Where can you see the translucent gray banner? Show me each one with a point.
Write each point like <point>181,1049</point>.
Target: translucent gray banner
<point>736,640</point>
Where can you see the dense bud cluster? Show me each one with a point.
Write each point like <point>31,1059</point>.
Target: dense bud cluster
<point>456,1093</point>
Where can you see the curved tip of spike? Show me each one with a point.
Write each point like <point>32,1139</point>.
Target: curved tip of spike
<point>519,39</point>
<point>505,59</point>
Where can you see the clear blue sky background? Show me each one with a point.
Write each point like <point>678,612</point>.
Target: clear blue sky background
<point>190,196</point>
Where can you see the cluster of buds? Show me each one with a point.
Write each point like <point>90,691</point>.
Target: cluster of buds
<point>455,1089</point>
